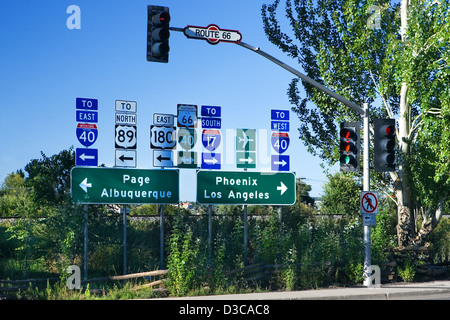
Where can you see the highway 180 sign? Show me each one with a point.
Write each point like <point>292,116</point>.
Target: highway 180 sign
<point>213,34</point>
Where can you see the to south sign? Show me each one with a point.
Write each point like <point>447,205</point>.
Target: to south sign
<point>213,34</point>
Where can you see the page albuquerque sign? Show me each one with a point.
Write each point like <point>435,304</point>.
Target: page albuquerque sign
<point>244,187</point>
<point>124,186</point>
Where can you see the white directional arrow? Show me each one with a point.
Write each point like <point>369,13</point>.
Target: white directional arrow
<point>211,161</point>
<point>187,160</point>
<point>249,160</point>
<point>282,162</point>
<point>84,185</point>
<point>282,188</point>
<point>84,157</point>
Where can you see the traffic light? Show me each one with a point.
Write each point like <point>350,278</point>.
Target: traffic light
<point>158,34</point>
<point>384,144</point>
<point>349,146</point>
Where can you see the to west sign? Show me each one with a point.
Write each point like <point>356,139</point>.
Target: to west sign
<point>213,34</point>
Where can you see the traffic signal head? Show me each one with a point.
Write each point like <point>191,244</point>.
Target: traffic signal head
<point>158,34</point>
<point>349,146</point>
<point>384,145</point>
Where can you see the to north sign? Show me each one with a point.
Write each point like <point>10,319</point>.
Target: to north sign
<point>212,34</point>
<point>124,186</point>
<point>237,187</point>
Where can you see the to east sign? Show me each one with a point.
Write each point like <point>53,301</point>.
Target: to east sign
<point>124,186</point>
<point>86,104</point>
<point>165,120</point>
<point>87,116</point>
<point>237,187</point>
<point>212,34</point>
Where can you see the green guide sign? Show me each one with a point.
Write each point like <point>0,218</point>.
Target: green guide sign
<point>124,186</point>
<point>243,187</point>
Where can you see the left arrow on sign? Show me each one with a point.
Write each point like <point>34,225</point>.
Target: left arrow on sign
<point>123,158</point>
<point>85,156</point>
<point>282,188</point>
<point>84,185</point>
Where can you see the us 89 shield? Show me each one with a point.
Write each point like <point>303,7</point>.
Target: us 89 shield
<point>126,137</point>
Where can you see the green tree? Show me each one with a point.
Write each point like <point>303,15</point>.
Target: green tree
<point>15,198</point>
<point>370,51</point>
<point>303,190</point>
<point>49,178</point>
<point>341,196</point>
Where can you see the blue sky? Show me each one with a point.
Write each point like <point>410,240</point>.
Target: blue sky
<point>45,66</point>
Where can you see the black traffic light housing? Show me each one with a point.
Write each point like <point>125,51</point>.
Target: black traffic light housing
<point>158,34</point>
<point>384,145</point>
<point>349,146</point>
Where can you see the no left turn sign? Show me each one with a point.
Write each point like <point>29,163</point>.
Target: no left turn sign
<point>369,202</point>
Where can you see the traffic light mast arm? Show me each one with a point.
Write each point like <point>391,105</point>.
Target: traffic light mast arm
<point>314,83</point>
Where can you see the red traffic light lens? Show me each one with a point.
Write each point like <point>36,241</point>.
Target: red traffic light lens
<point>390,130</point>
<point>164,17</point>
<point>345,133</point>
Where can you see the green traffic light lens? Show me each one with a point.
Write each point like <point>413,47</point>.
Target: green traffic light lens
<point>347,159</point>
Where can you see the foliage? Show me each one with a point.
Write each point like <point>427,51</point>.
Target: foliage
<point>341,196</point>
<point>399,65</point>
<point>181,262</point>
<point>440,238</point>
<point>408,272</point>
<point>315,249</point>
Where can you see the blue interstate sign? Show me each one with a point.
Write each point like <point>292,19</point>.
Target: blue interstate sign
<point>280,162</point>
<point>211,123</point>
<point>211,111</point>
<point>86,157</point>
<point>87,116</point>
<point>86,104</point>
<point>281,126</point>
<point>211,139</point>
<point>280,141</point>
<point>211,161</point>
<point>279,115</point>
<point>87,133</point>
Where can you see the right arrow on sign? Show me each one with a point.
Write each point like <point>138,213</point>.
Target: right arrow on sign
<point>282,188</point>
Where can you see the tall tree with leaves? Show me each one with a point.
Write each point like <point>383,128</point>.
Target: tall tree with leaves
<point>49,178</point>
<point>394,56</point>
